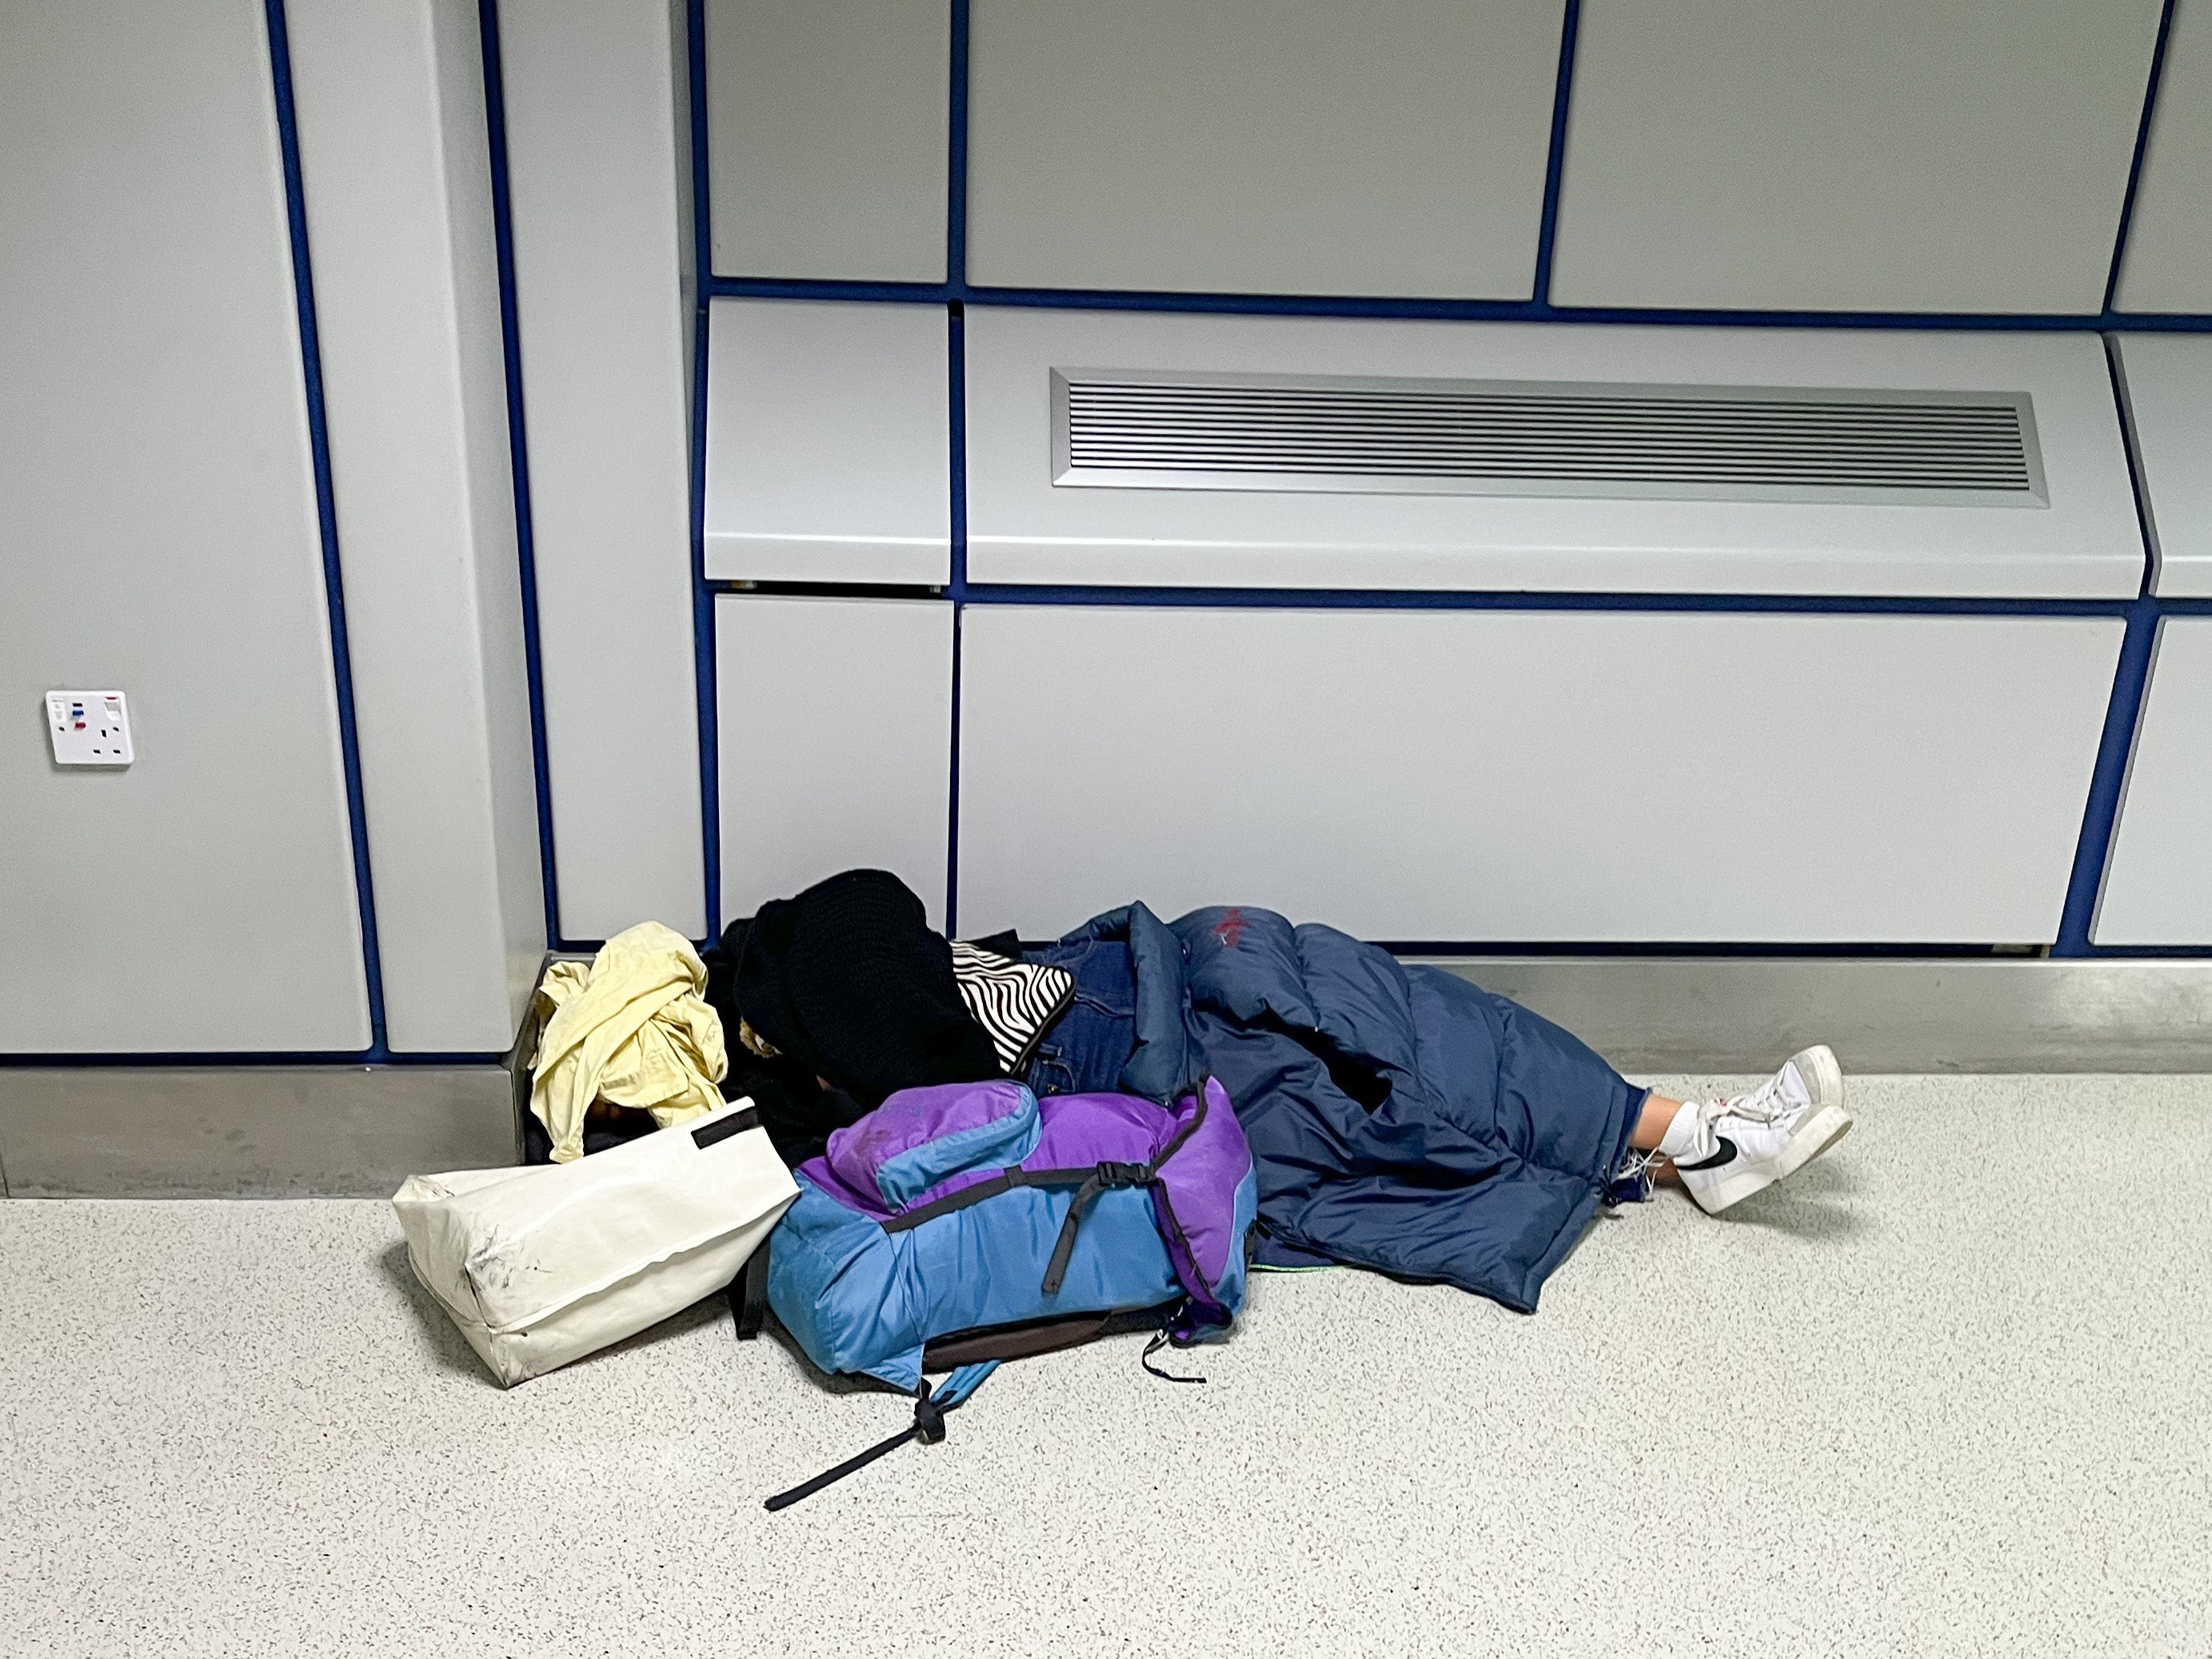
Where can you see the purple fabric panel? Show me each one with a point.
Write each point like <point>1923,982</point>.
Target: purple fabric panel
<point>1201,1179</point>
<point>867,1201</point>
<point>1082,1129</point>
<point>1079,1131</point>
<point>912,1118</point>
<point>1187,1269</point>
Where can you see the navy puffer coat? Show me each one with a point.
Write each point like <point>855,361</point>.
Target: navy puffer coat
<point>1401,1118</point>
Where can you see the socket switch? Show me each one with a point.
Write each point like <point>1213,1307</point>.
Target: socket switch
<point>89,728</point>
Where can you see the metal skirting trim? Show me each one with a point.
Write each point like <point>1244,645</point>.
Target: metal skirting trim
<point>247,1131</point>
<point>353,1130</point>
<point>260,1131</point>
<point>1734,1014</point>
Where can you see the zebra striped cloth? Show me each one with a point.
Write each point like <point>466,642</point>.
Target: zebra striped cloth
<point>1015,1002</point>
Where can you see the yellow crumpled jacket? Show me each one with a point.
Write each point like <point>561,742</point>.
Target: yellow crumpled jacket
<point>630,1028</point>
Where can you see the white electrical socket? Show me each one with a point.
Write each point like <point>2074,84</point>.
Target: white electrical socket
<point>90,728</point>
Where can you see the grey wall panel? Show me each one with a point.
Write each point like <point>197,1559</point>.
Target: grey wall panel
<point>1263,146</point>
<point>2169,389</point>
<point>827,123</point>
<point>835,720</point>
<point>159,535</point>
<point>1023,526</point>
<point>2158,889</point>
<point>599,177</point>
<point>828,446</point>
<point>398,175</point>
<point>1875,154</point>
<point>2168,265</point>
<point>1490,775</point>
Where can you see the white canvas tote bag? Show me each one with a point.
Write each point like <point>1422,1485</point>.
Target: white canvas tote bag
<point>542,1265</point>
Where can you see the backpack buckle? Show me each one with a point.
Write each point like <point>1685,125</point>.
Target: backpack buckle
<point>928,1418</point>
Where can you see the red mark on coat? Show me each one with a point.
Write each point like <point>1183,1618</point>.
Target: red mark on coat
<point>1229,929</point>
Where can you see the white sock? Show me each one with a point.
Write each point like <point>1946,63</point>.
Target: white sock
<point>1689,1138</point>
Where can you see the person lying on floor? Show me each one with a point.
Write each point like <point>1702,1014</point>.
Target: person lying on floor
<point>1400,1118</point>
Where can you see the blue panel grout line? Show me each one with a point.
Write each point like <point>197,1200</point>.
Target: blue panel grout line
<point>518,455</point>
<point>1478,311</point>
<point>2143,147</point>
<point>952,793</point>
<point>956,381</point>
<point>1875,604</point>
<point>956,157</point>
<point>702,596</point>
<point>2108,783</point>
<point>702,628</point>
<point>959,586</point>
<point>303,280</point>
<point>832,288</point>
<point>1259,598</point>
<point>1547,229</point>
<point>1409,599</point>
<point>2123,412</point>
<point>956,590</point>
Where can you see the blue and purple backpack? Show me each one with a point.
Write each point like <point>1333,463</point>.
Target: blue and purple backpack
<point>959,1225</point>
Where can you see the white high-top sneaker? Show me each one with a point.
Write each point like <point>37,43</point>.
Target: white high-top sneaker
<point>1753,1140</point>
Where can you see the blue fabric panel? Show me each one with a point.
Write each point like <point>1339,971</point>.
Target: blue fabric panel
<point>1165,1067</point>
<point>1500,1239</point>
<point>984,1263</point>
<point>1008,1139</point>
<point>1363,1000</point>
<point>1554,1101</point>
<point>860,1299</point>
<point>1132,1012</point>
<point>1245,964</point>
<point>1231,1288</point>
<point>964,1382</point>
<point>839,1284</point>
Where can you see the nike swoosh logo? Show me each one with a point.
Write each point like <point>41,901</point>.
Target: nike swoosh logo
<point>1726,1155</point>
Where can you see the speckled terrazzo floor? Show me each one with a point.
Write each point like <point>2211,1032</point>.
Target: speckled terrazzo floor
<point>1950,1392</point>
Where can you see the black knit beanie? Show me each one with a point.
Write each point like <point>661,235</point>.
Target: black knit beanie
<point>849,981</point>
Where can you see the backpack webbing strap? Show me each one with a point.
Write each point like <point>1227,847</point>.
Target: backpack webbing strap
<point>1154,1347</point>
<point>749,1294</point>
<point>1102,1177</point>
<point>928,1428</point>
<point>1089,1180</point>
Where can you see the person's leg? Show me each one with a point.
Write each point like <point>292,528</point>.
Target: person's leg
<point>1653,1122</point>
<point>1659,1119</point>
<point>1723,1150</point>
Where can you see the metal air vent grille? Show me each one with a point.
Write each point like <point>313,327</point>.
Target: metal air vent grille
<point>1147,429</point>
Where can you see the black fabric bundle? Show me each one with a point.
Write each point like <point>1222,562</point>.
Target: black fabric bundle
<point>850,984</point>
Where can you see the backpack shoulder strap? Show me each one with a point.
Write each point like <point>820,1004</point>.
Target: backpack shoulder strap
<point>928,1427</point>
